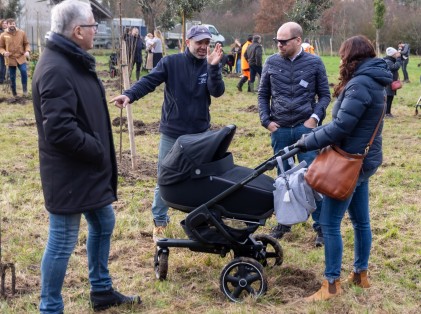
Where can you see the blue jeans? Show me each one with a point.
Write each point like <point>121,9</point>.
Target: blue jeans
<point>255,69</point>
<point>404,70</point>
<point>2,69</point>
<point>23,75</point>
<point>159,207</point>
<point>283,137</point>
<point>330,219</point>
<point>62,238</point>
<point>238,66</point>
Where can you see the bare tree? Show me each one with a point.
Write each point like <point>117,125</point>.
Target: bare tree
<point>152,10</point>
<point>378,20</point>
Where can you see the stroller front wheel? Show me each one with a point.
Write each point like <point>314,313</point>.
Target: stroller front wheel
<point>161,263</point>
<point>241,277</point>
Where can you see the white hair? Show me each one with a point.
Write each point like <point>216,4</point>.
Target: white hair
<point>66,15</point>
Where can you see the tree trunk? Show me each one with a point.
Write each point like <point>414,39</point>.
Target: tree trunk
<point>149,20</point>
<point>378,42</point>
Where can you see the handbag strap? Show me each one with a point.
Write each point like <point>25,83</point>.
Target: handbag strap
<point>375,131</point>
<point>367,148</point>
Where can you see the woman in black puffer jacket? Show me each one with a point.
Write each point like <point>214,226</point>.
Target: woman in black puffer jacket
<point>394,62</point>
<point>359,107</point>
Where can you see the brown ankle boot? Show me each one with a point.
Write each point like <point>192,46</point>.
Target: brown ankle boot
<point>327,291</point>
<point>360,280</point>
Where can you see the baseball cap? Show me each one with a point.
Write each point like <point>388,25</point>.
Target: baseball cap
<point>198,32</point>
<point>390,51</point>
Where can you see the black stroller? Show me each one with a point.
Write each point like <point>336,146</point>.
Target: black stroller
<point>226,204</point>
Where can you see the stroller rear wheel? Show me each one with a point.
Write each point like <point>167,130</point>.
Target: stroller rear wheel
<point>241,277</point>
<point>161,263</point>
<point>272,253</point>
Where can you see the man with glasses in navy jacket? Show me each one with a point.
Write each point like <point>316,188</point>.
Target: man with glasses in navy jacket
<point>293,97</point>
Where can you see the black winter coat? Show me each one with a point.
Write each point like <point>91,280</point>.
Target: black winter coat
<point>393,66</point>
<point>356,114</point>
<point>134,48</point>
<point>76,151</point>
<point>254,54</point>
<point>288,90</point>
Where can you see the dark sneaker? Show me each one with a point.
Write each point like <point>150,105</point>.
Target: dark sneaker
<point>320,241</point>
<point>105,299</point>
<point>279,231</point>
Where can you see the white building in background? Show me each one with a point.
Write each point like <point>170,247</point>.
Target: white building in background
<point>35,18</point>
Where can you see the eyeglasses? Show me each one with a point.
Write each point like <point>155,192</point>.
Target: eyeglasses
<point>95,26</point>
<point>284,42</point>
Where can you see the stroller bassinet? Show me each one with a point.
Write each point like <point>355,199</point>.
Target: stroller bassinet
<point>199,168</point>
<point>199,177</point>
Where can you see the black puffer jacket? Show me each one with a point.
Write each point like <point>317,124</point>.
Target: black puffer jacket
<point>76,150</point>
<point>393,65</point>
<point>356,114</point>
<point>288,90</point>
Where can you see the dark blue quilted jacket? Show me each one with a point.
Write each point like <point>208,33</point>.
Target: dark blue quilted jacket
<point>356,114</point>
<point>288,89</point>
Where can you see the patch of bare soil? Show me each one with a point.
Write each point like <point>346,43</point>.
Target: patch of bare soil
<point>18,100</point>
<point>252,108</point>
<point>294,283</point>
<point>143,170</point>
<point>112,84</point>
<point>140,128</point>
<point>23,122</point>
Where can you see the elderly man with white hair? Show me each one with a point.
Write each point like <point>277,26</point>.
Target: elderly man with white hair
<point>77,158</point>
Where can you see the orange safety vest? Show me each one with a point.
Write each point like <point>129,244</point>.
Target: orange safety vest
<point>245,67</point>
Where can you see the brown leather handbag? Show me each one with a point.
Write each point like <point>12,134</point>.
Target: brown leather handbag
<point>334,172</point>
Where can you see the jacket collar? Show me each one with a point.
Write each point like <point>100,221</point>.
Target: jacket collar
<point>66,46</point>
<point>192,57</point>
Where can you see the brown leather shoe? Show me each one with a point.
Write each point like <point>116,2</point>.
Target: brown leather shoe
<point>327,291</point>
<point>360,280</point>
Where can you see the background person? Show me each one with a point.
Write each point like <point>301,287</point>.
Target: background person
<point>190,78</point>
<point>3,27</point>
<point>362,77</point>
<point>307,46</point>
<point>158,44</point>
<point>236,52</point>
<point>245,67</point>
<point>149,51</point>
<point>254,56</point>
<point>77,158</point>
<point>394,62</point>
<point>134,47</point>
<point>404,51</point>
<point>14,46</point>
<point>293,97</point>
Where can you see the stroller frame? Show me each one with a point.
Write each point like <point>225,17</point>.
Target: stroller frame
<point>244,275</point>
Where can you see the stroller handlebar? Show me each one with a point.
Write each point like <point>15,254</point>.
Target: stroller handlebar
<point>292,150</point>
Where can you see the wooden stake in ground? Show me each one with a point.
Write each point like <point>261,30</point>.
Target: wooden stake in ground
<point>126,85</point>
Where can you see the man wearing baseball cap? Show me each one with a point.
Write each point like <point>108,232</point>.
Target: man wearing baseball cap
<point>190,78</point>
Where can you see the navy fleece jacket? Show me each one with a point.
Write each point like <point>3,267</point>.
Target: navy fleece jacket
<point>189,83</point>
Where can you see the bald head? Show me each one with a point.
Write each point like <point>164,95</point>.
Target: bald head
<point>289,39</point>
<point>291,28</point>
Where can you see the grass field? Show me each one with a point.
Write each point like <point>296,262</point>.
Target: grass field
<point>193,278</point>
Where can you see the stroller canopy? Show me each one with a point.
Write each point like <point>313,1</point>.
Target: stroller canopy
<point>196,155</point>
